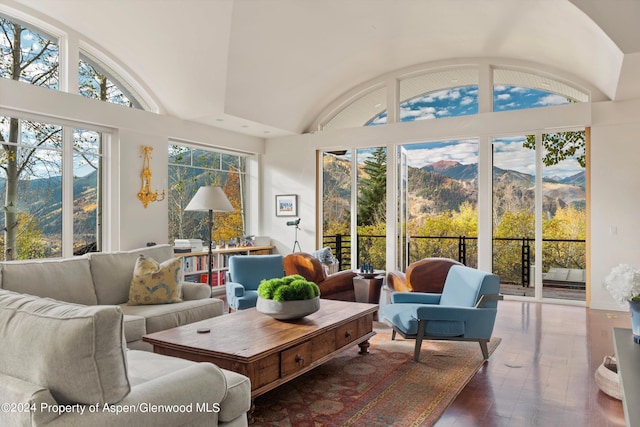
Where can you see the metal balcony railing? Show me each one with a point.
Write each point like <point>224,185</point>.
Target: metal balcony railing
<point>557,253</point>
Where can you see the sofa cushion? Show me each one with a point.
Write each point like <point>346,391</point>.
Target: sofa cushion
<point>156,283</point>
<point>165,316</point>
<point>112,272</point>
<point>134,327</point>
<point>76,352</point>
<point>66,280</point>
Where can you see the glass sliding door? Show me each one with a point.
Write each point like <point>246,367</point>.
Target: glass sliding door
<point>564,216</point>
<point>514,181</point>
<point>337,204</point>
<point>539,215</point>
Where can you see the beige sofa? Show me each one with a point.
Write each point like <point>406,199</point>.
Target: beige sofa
<point>68,365</point>
<point>104,279</point>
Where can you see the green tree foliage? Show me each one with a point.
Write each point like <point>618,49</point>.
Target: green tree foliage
<point>560,146</point>
<point>373,189</point>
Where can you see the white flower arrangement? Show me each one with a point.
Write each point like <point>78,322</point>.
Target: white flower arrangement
<point>623,283</point>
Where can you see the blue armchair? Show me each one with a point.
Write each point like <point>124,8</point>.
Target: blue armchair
<point>245,274</point>
<point>465,311</point>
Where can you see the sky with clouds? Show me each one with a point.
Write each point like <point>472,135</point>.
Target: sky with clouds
<point>508,152</point>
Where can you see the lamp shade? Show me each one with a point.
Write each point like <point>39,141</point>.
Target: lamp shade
<point>210,198</point>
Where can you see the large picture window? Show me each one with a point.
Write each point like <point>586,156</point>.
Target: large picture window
<point>189,169</point>
<point>33,173</point>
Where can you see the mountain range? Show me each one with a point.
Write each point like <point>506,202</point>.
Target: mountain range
<point>445,185</point>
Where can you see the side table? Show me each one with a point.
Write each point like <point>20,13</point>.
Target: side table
<point>367,286</point>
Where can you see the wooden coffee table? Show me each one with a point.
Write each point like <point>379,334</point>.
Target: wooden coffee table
<point>270,352</point>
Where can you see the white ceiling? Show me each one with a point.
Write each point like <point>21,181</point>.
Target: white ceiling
<point>269,67</point>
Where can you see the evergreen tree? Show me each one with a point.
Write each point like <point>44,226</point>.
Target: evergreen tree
<point>373,189</point>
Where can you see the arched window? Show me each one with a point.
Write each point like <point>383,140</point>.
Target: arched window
<point>94,82</point>
<point>518,90</point>
<point>28,55</point>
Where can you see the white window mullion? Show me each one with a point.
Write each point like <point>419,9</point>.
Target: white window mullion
<point>485,203</point>
<point>538,218</point>
<point>354,208</point>
<point>67,192</point>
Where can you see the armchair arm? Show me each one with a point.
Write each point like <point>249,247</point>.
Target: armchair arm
<point>414,298</point>
<point>194,291</point>
<point>339,282</point>
<point>439,312</point>
<point>235,289</point>
<point>484,299</point>
<point>397,281</point>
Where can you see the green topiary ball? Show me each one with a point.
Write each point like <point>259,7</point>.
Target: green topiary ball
<point>288,288</point>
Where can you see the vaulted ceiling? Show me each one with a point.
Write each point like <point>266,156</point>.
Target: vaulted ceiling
<point>269,67</point>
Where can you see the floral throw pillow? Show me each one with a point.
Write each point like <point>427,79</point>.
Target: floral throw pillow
<point>156,283</point>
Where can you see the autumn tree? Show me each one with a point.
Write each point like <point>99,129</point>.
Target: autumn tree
<point>229,225</point>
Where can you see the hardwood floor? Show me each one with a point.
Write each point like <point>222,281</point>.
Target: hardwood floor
<point>542,372</point>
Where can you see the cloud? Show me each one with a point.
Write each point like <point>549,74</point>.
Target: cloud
<point>467,100</point>
<point>463,151</point>
<point>552,99</point>
<point>503,97</point>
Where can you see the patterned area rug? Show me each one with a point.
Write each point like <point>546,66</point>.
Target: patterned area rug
<point>383,388</point>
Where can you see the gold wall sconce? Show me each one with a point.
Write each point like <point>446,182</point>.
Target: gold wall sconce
<point>146,195</point>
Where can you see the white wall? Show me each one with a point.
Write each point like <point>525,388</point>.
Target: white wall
<point>130,224</point>
<point>615,194</point>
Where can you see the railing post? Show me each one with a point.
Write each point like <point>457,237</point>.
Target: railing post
<point>462,250</point>
<point>339,250</point>
<point>526,262</point>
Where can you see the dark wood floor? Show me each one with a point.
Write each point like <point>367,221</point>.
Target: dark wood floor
<point>542,372</point>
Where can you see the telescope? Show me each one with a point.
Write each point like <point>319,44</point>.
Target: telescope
<point>294,222</point>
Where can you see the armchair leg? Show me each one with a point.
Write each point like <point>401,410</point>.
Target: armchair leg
<point>393,334</point>
<point>422,327</point>
<point>485,350</point>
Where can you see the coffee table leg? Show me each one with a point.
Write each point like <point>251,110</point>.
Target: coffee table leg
<point>364,347</point>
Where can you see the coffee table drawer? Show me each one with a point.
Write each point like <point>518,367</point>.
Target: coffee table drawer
<point>323,345</point>
<point>295,359</point>
<point>349,332</point>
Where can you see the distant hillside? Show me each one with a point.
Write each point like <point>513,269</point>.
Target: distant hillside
<point>43,199</point>
<point>446,185</point>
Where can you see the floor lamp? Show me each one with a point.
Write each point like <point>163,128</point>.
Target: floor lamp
<point>210,199</point>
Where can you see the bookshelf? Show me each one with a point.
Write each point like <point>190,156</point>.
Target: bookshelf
<point>195,263</point>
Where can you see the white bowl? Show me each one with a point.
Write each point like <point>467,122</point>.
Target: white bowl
<point>288,310</point>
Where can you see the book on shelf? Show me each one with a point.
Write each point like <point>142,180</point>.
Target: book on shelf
<point>217,278</point>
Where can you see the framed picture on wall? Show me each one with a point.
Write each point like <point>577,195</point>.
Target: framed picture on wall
<point>287,205</point>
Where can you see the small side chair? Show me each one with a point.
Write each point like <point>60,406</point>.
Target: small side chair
<point>245,274</point>
<point>465,311</point>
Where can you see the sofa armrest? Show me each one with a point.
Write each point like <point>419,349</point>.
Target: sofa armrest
<point>194,291</point>
<point>27,399</point>
<point>189,395</point>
